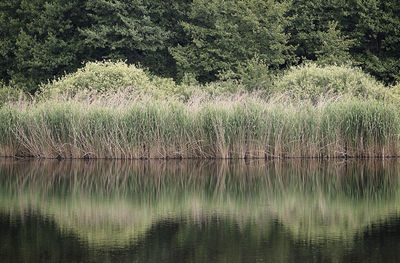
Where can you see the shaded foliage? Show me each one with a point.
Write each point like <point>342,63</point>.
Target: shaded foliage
<point>224,35</point>
<point>207,40</point>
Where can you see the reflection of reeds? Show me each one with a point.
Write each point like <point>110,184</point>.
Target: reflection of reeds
<point>238,127</point>
<point>356,178</point>
<point>314,200</point>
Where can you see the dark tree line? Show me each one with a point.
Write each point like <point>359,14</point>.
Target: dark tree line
<point>207,39</point>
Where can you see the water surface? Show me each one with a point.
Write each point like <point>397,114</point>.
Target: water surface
<point>191,211</point>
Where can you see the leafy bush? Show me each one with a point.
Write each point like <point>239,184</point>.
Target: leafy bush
<point>335,46</point>
<point>254,74</point>
<point>107,76</point>
<point>311,81</point>
<point>219,88</point>
<point>104,77</point>
<point>393,93</point>
<point>8,94</point>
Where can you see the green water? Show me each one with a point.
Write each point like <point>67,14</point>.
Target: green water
<point>192,211</point>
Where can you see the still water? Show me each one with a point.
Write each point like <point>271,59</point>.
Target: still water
<point>192,211</point>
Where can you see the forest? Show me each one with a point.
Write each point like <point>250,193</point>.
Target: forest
<point>202,40</point>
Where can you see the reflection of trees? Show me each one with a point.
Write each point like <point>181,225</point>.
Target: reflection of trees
<point>37,239</point>
<point>115,204</point>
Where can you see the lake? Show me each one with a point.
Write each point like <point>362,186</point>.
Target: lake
<point>200,211</point>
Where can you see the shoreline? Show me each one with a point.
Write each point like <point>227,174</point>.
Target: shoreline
<point>286,158</point>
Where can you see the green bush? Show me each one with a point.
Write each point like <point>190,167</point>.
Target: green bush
<point>254,74</point>
<point>306,82</point>
<point>220,88</point>
<point>393,93</point>
<point>311,81</point>
<point>8,94</point>
<point>107,76</point>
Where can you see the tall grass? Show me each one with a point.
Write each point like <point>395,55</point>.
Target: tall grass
<point>244,126</point>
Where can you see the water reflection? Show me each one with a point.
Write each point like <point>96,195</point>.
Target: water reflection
<point>199,211</point>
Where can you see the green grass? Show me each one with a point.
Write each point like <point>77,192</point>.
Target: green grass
<point>241,126</point>
<point>237,127</point>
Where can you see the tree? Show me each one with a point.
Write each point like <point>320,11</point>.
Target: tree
<point>306,20</point>
<point>335,47</point>
<point>377,30</point>
<point>41,39</point>
<point>373,25</point>
<point>134,30</point>
<point>10,24</point>
<point>42,42</point>
<point>225,34</point>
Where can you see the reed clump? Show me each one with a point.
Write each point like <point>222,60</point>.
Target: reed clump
<point>119,125</point>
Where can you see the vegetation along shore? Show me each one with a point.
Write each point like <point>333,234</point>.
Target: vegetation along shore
<point>199,79</point>
<point>116,110</point>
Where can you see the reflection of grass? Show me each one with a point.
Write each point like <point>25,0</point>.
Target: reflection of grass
<point>111,204</point>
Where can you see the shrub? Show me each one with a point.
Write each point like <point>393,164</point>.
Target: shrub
<point>105,76</point>
<point>220,88</point>
<point>254,74</point>
<point>311,81</point>
<point>8,94</point>
<point>393,93</point>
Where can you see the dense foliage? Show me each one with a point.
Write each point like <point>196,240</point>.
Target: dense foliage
<point>314,82</point>
<point>207,40</point>
<point>107,76</point>
<point>224,35</point>
<point>8,94</point>
<point>310,81</point>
